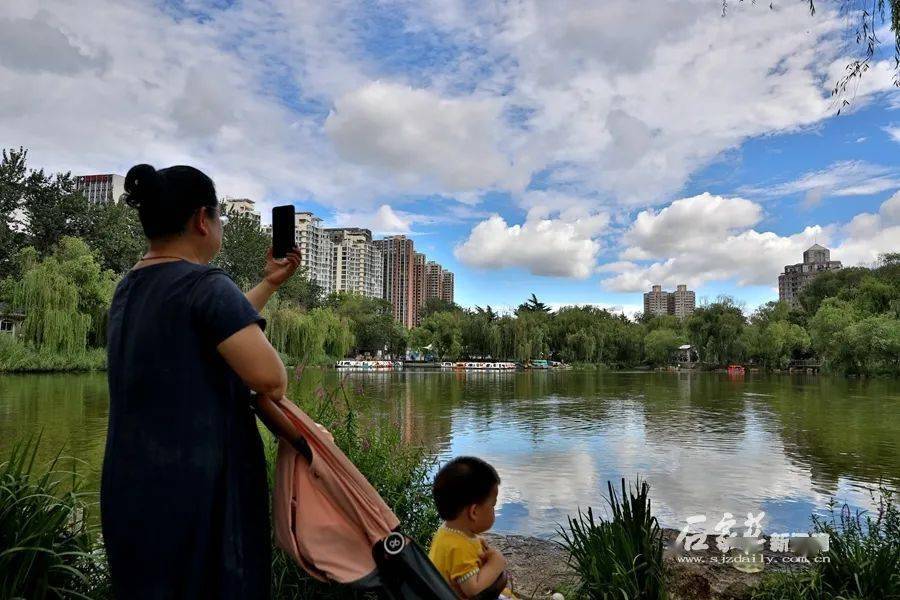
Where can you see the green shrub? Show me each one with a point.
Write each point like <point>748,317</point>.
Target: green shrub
<point>863,558</point>
<point>15,355</point>
<point>47,548</point>
<point>622,557</point>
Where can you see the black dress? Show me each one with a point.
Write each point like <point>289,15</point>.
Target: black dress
<point>184,496</point>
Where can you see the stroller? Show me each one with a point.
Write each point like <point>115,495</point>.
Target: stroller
<point>333,523</point>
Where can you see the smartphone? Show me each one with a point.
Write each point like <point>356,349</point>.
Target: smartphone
<point>282,230</point>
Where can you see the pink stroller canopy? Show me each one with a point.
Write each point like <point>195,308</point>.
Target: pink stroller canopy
<point>334,524</point>
<point>326,515</point>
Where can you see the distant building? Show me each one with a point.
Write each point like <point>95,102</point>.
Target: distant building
<point>447,280</point>
<point>100,188</point>
<point>357,264</point>
<point>418,286</point>
<point>398,259</point>
<point>434,280</point>
<point>816,260</point>
<point>656,301</point>
<point>316,255</point>
<point>680,303</point>
<point>240,206</point>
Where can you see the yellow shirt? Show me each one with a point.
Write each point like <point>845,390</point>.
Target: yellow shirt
<point>457,556</point>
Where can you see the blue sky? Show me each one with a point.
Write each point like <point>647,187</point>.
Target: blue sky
<point>528,147</point>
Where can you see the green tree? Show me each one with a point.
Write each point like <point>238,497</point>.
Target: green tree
<point>114,234</point>
<point>435,305</point>
<point>308,337</point>
<point>64,296</point>
<point>53,209</point>
<point>871,344</point>
<point>371,320</point>
<point>780,341</point>
<point>660,344</point>
<point>441,331</point>
<point>715,331</point>
<point>12,190</point>
<point>244,247</point>
<point>826,331</point>
<point>532,305</point>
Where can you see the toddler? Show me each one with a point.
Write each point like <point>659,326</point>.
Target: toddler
<point>465,492</point>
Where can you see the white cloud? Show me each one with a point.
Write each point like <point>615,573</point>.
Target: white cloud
<point>893,132</point>
<point>281,99</point>
<point>635,113</point>
<point>419,135</point>
<point>842,178</point>
<point>869,234</point>
<point>554,247</point>
<point>686,224</point>
<point>384,220</point>
<point>697,243</point>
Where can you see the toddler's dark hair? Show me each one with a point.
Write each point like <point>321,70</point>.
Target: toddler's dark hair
<point>166,199</point>
<point>462,482</point>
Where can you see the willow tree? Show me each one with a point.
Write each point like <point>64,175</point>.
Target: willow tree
<point>308,337</point>
<point>64,297</point>
<point>50,302</point>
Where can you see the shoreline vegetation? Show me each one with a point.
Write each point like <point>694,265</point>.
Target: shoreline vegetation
<point>61,258</point>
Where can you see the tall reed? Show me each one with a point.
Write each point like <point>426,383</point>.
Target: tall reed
<point>621,557</point>
<point>47,547</point>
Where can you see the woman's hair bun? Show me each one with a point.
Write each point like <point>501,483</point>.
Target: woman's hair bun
<point>143,185</point>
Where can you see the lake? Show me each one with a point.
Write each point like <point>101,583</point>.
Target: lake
<point>707,443</point>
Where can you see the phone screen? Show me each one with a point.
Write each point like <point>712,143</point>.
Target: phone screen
<point>282,230</point>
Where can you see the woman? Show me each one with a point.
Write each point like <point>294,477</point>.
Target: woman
<point>184,495</point>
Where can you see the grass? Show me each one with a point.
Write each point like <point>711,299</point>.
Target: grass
<point>15,356</point>
<point>47,548</point>
<point>863,558</point>
<point>621,557</point>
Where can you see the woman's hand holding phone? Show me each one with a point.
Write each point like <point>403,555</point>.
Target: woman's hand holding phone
<point>278,270</point>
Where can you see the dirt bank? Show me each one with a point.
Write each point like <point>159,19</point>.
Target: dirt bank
<point>539,568</point>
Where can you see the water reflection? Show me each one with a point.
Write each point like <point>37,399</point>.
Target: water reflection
<point>706,443</point>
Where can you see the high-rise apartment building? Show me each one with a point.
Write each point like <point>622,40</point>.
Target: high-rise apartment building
<point>816,260</point>
<point>398,258</point>
<point>680,303</point>
<point>656,301</point>
<point>447,280</point>
<point>418,285</point>
<point>357,263</point>
<point>434,280</point>
<point>100,188</point>
<point>316,255</point>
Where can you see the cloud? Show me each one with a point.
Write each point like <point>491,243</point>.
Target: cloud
<point>634,114</point>
<point>352,105</point>
<point>36,45</point>
<point>419,135</point>
<point>384,220</point>
<point>869,234</point>
<point>893,132</point>
<point>686,224</point>
<point>708,238</point>
<point>842,178</point>
<point>553,247</point>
